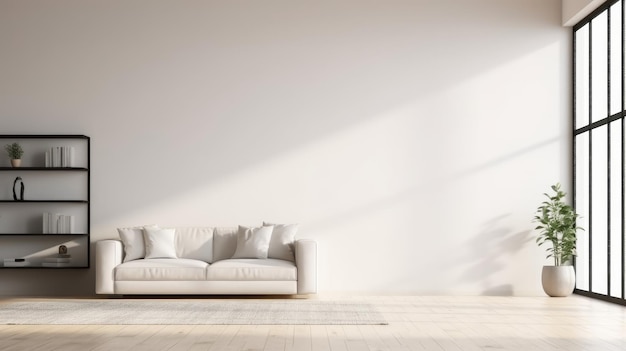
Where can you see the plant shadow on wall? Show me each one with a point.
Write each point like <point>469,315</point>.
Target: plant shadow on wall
<point>496,244</point>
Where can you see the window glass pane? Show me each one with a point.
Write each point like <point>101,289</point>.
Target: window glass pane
<point>582,76</point>
<point>582,208</point>
<point>616,209</point>
<point>599,66</point>
<point>599,213</point>
<point>616,58</point>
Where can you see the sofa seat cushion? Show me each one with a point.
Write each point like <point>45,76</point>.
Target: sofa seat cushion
<point>250,269</point>
<point>162,269</point>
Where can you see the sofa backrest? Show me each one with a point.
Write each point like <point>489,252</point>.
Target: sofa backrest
<point>206,243</point>
<point>224,243</point>
<point>195,243</point>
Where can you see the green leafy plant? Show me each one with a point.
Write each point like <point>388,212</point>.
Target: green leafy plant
<point>14,150</point>
<point>557,225</point>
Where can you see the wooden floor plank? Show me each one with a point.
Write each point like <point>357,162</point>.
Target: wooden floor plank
<point>319,339</point>
<point>279,338</point>
<point>336,338</point>
<point>302,338</point>
<point>227,339</point>
<point>200,337</point>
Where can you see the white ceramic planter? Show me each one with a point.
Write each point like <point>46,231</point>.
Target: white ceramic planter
<point>16,162</point>
<point>558,281</point>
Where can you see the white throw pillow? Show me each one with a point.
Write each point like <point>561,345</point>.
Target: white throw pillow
<point>253,242</point>
<point>160,242</point>
<point>283,241</point>
<point>132,238</point>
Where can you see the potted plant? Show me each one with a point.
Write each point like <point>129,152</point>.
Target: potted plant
<point>15,152</point>
<point>557,226</point>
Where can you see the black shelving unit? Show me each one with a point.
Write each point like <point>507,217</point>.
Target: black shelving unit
<point>38,169</point>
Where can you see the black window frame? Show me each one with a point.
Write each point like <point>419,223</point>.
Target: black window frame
<point>589,127</point>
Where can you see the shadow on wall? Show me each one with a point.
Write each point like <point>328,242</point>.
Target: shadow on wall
<point>496,244</point>
<point>219,117</point>
<point>420,190</point>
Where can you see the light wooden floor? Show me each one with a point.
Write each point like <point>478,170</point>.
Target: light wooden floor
<point>415,323</point>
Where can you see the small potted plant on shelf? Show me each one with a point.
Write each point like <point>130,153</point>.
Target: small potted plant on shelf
<point>15,152</point>
<point>557,226</point>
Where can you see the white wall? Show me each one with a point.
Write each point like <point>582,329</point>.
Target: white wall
<point>412,139</point>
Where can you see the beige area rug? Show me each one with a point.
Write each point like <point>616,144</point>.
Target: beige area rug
<point>188,312</point>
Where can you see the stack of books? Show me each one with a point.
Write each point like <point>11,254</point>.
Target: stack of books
<point>60,156</point>
<point>16,262</point>
<point>57,261</point>
<point>54,223</point>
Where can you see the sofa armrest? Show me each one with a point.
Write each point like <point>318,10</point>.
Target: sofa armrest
<point>108,256</point>
<point>306,262</point>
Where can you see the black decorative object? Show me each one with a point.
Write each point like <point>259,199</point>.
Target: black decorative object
<point>21,189</point>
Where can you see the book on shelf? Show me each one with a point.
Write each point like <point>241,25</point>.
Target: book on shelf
<point>55,223</point>
<point>60,156</point>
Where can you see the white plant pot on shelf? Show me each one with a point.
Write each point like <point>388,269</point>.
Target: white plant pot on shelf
<point>16,163</point>
<point>558,281</point>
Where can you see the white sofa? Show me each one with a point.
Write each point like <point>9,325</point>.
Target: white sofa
<point>203,264</point>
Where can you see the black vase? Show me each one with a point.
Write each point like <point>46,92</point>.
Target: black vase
<point>21,189</point>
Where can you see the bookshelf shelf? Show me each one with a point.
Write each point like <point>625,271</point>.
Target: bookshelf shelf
<point>43,201</point>
<point>45,169</point>
<point>35,234</point>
